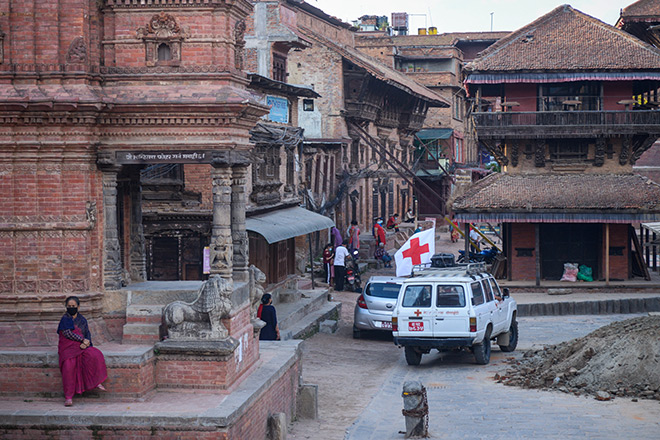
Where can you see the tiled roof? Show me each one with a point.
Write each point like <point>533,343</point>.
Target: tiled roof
<point>501,192</point>
<point>567,39</point>
<point>642,8</point>
<point>378,70</point>
<point>446,39</point>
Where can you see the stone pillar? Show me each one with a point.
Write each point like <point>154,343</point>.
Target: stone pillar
<point>238,233</point>
<point>112,269</point>
<point>138,257</point>
<point>221,241</point>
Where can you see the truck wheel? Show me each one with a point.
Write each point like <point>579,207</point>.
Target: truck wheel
<point>413,357</point>
<point>482,350</point>
<point>513,337</point>
<point>357,334</point>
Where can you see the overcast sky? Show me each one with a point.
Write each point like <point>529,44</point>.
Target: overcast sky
<point>468,15</point>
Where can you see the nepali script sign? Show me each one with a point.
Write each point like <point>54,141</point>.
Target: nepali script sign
<point>154,157</point>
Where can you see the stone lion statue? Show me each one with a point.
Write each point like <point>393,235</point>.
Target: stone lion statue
<point>257,280</point>
<point>202,318</point>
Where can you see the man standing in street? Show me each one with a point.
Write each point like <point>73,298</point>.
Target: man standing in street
<point>341,253</point>
<point>354,236</point>
<point>379,232</point>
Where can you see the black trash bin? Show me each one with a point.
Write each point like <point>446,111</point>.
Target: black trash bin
<point>443,260</point>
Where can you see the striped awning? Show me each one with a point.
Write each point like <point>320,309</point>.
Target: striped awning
<point>554,77</point>
<point>554,217</point>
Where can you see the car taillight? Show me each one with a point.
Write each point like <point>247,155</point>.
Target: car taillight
<point>473,325</point>
<point>395,324</point>
<point>361,302</point>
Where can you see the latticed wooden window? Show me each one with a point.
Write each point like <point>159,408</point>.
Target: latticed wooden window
<point>279,68</point>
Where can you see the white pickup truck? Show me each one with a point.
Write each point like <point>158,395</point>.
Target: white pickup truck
<point>454,307</point>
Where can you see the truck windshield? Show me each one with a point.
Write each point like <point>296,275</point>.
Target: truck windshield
<point>417,296</point>
<point>450,296</point>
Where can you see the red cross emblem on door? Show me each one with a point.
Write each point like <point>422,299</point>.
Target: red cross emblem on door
<point>415,251</point>
<point>417,313</point>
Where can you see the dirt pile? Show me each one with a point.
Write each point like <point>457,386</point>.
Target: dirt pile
<point>620,359</point>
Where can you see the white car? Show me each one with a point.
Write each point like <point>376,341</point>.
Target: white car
<point>454,307</point>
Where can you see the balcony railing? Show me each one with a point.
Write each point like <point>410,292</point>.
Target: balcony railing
<point>563,123</point>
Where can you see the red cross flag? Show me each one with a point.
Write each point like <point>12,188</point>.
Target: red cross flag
<point>418,250</point>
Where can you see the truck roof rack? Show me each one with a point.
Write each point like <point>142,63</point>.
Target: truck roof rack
<point>464,268</point>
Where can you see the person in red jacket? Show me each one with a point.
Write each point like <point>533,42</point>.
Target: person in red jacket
<point>379,232</point>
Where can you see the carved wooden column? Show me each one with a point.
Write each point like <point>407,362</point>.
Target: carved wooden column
<point>112,269</point>
<point>221,241</point>
<point>238,232</point>
<point>138,253</point>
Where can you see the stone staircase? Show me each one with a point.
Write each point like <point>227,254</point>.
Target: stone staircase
<point>300,310</point>
<point>144,308</point>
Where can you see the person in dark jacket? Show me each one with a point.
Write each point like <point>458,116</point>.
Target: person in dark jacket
<point>271,331</point>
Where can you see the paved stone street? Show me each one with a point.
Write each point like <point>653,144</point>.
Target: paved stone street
<point>360,390</point>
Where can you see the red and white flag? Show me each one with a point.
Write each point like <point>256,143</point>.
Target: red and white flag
<point>419,249</point>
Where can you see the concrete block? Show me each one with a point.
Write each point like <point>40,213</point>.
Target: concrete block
<point>328,326</point>
<point>307,405</point>
<point>277,426</point>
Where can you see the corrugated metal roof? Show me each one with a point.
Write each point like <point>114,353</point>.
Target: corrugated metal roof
<point>287,223</point>
<point>435,133</point>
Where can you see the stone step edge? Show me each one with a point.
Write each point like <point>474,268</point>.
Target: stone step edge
<point>596,307</point>
<point>309,326</point>
<point>299,313</point>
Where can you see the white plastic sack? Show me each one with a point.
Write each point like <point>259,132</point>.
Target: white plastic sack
<point>570,272</point>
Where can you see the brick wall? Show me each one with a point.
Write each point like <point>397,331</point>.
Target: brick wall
<point>280,396</point>
<point>618,263</point>
<point>523,236</point>
<point>198,179</point>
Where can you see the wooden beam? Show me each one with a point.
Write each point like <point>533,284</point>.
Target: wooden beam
<point>537,253</point>
<point>607,254</point>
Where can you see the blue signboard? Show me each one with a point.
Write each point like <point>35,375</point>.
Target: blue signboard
<point>279,109</point>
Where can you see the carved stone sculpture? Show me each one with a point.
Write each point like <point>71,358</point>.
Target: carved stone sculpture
<point>257,280</point>
<point>77,51</point>
<point>256,284</point>
<point>201,319</point>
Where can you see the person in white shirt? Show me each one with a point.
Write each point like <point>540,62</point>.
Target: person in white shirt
<point>341,254</point>
<point>476,238</point>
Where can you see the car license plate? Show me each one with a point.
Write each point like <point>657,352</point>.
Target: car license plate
<point>416,326</point>
<point>386,324</point>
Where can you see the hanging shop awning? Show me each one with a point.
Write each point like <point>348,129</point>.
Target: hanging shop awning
<point>431,134</point>
<point>287,223</point>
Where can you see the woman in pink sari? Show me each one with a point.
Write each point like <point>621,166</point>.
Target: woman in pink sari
<point>82,366</point>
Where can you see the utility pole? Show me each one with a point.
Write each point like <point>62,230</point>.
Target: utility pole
<point>491,21</point>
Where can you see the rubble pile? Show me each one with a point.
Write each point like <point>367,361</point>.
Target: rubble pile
<point>620,359</point>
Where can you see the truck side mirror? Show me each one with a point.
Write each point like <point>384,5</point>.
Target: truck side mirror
<point>505,292</point>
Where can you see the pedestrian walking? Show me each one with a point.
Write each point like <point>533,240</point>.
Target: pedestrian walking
<point>328,263</point>
<point>336,237</point>
<point>379,232</point>
<point>271,331</point>
<point>353,237</point>
<point>341,254</point>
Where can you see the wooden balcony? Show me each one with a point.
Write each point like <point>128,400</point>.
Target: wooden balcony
<point>559,124</point>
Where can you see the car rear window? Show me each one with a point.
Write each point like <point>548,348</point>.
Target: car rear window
<point>477,294</point>
<point>383,290</point>
<point>450,296</point>
<point>417,296</point>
